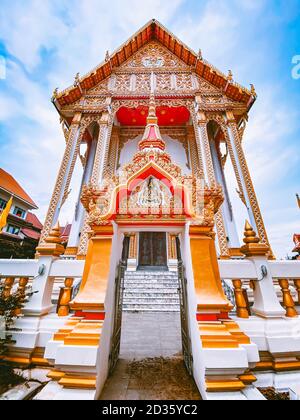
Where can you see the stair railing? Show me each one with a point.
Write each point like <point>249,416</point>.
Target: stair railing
<point>118,312</point>
<point>184,312</point>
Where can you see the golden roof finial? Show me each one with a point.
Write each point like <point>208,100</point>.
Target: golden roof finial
<point>250,235</point>
<point>230,76</point>
<point>55,93</point>
<point>77,79</point>
<point>54,235</point>
<point>152,137</point>
<point>298,200</point>
<point>253,91</point>
<point>253,247</point>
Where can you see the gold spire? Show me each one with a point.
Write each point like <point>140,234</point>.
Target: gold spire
<point>253,91</point>
<point>77,79</point>
<point>298,200</point>
<point>250,235</point>
<point>152,118</point>
<point>253,246</point>
<point>152,138</point>
<point>230,76</point>
<point>55,93</point>
<point>53,244</point>
<point>54,235</point>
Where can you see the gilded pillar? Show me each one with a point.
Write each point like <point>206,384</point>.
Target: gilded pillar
<point>133,246</point>
<point>172,251</point>
<point>105,127</point>
<point>245,180</point>
<point>92,293</point>
<point>210,177</point>
<point>196,148</point>
<point>208,285</point>
<point>111,162</point>
<point>64,177</point>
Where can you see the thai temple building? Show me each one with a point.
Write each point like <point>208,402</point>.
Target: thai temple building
<point>159,126</point>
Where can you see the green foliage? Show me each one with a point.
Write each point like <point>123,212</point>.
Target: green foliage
<point>12,248</point>
<point>8,307</point>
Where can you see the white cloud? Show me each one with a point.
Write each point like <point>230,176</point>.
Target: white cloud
<point>214,31</point>
<point>79,40</point>
<point>78,33</point>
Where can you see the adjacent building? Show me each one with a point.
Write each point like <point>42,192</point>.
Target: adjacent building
<point>297,245</point>
<point>21,234</point>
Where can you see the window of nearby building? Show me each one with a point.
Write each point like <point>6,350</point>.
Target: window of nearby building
<point>13,230</point>
<point>2,204</point>
<point>19,212</point>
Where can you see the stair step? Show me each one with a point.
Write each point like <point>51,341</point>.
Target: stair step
<point>158,278</point>
<point>150,301</point>
<point>153,281</point>
<point>149,282</point>
<point>151,293</point>
<point>146,291</point>
<point>156,310</point>
<point>154,274</point>
<point>151,273</point>
<point>151,308</point>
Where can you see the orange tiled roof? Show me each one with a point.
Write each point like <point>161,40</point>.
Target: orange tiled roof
<point>32,218</point>
<point>9,184</point>
<point>32,234</point>
<point>154,30</point>
<point>297,242</point>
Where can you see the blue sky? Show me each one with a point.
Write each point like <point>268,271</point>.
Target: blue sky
<point>45,43</point>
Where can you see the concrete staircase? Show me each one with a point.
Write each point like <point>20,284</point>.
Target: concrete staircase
<point>151,291</point>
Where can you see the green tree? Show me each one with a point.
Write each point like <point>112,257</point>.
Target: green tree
<point>9,305</point>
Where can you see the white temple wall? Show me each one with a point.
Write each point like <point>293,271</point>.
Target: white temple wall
<point>173,147</point>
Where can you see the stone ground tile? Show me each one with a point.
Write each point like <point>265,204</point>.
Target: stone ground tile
<point>151,365</point>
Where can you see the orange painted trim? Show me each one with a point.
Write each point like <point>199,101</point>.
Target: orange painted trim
<point>91,316</point>
<point>212,317</point>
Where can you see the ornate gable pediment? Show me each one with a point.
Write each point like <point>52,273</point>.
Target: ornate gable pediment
<point>154,57</point>
<point>205,87</point>
<point>152,49</point>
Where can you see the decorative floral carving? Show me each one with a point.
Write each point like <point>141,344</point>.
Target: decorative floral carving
<point>143,82</point>
<point>163,82</point>
<point>123,83</point>
<point>154,56</point>
<point>184,82</point>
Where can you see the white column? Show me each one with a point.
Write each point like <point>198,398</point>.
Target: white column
<point>64,177</point>
<point>40,303</point>
<point>210,178</point>
<point>101,154</point>
<point>266,302</point>
<point>226,208</point>
<point>245,191</point>
<point>78,219</point>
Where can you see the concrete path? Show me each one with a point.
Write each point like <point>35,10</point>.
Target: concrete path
<point>151,365</point>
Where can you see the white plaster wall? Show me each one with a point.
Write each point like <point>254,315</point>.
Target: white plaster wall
<point>173,147</point>
<point>128,151</point>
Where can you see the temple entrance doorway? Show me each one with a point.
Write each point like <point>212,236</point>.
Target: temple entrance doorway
<point>151,350</point>
<point>153,251</point>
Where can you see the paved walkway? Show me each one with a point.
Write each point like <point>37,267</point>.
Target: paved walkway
<point>151,365</point>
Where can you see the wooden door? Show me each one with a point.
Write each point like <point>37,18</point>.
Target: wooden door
<point>153,249</point>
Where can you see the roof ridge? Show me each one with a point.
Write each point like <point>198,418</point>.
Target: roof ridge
<point>149,37</point>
